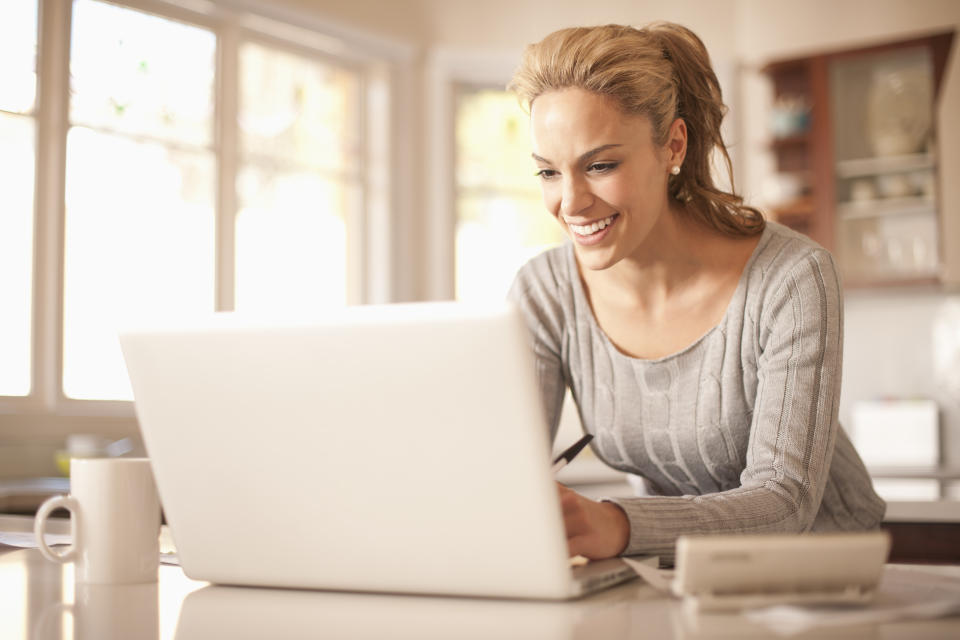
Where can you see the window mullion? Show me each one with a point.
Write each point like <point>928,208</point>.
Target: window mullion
<point>378,226</point>
<point>53,103</point>
<point>358,216</point>
<point>227,96</point>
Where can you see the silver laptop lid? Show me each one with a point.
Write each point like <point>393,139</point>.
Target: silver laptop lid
<point>390,448</point>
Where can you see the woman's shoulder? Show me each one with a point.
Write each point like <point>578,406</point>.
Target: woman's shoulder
<point>544,293</point>
<point>784,253</point>
<point>783,244</point>
<point>791,274</point>
<point>548,273</point>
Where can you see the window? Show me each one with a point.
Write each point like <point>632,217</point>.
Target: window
<point>501,222</point>
<point>140,184</point>
<point>212,159</point>
<point>300,181</point>
<point>18,46</point>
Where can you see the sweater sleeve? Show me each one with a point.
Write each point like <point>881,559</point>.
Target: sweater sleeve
<point>534,291</point>
<point>793,427</point>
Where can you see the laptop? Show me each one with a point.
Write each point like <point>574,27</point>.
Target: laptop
<point>384,448</point>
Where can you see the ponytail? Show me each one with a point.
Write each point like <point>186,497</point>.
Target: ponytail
<point>700,105</point>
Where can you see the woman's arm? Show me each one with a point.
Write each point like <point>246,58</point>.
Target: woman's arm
<point>793,428</point>
<point>541,312</point>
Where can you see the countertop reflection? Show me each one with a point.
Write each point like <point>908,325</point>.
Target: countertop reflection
<point>41,601</point>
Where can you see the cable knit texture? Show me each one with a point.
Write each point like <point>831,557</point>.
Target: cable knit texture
<point>738,432</point>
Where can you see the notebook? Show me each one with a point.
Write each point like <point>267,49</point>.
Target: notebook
<point>384,448</point>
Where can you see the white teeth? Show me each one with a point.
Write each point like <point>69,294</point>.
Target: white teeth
<point>589,229</point>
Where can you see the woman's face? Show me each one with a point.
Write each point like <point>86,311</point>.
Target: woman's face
<point>603,178</point>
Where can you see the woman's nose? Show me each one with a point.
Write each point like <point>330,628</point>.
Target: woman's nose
<point>575,198</point>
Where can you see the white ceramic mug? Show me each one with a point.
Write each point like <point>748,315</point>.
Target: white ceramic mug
<point>114,521</point>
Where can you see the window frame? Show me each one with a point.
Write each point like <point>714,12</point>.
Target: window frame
<point>447,70</point>
<point>32,115</point>
<point>46,413</point>
<point>356,267</point>
<point>458,91</point>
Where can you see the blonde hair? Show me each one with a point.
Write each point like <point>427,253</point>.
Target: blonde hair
<point>662,72</point>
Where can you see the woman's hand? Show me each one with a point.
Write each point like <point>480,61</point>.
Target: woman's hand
<point>595,530</point>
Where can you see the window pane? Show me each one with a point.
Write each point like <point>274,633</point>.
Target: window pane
<point>298,109</point>
<point>493,142</point>
<point>501,222</point>
<point>299,183</point>
<point>496,235</point>
<point>292,241</point>
<point>18,50</point>
<point>137,73</point>
<point>139,247</point>
<point>16,252</point>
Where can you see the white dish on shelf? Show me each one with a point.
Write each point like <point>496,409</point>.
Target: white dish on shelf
<point>899,110</point>
<point>862,191</point>
<point>894,185</point>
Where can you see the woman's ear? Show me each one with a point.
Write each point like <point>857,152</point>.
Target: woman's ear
<point>677,143</point>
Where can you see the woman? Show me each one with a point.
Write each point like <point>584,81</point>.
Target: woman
<point>702,345</point>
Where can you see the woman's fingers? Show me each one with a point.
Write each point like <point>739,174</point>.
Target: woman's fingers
<point>575,519</point>
<point>594,529</point>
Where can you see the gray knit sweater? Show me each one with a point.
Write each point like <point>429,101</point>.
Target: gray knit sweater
<point>738,432</point>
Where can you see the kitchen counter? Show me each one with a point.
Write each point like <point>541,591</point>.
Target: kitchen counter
<point>923,511</point>
<point>42,602</point>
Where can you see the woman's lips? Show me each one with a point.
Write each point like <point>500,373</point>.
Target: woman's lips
<point>593,233</point>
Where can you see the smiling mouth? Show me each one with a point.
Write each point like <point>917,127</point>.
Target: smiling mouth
<point>596,227</point>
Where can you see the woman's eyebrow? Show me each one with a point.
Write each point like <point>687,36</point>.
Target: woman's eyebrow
<point>583,158</point>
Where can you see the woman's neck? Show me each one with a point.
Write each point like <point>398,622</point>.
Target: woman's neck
<point>677,252</point>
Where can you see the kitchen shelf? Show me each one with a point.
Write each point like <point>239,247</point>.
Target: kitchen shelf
<point>863,167</point>
<point>860,197</point>
<point>916,473</point>
<point>790,141</point>
<point>24,495</point>
<point>802,206</point>
<point>912,206</point>
<point>923,511</point>
<point>942,476</point>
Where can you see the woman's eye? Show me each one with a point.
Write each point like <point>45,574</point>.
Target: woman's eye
<point>546,174</point>
<point>602,167</point>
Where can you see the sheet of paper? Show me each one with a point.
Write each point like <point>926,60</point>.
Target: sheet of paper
<point>651,574</point>
<point>904,593</point>
<point>26,539</point>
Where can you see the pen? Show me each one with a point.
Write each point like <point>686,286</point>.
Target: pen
<point>564,458</point>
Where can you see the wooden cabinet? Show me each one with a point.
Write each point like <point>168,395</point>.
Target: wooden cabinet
<point>800,142</point>
<point>854,136</point>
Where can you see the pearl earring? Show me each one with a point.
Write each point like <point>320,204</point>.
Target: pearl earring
<point>675,170</point>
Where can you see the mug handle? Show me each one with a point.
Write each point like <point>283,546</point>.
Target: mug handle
<point>39,525</point>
